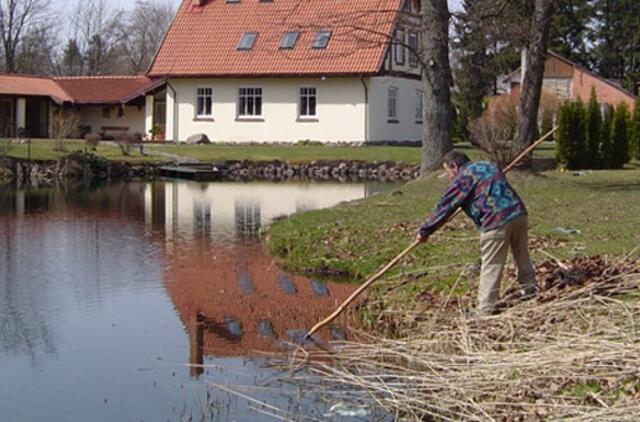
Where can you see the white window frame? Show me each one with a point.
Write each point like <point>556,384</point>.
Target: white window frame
<point>413,48</point>
<point>392,103</point>
<point>399,48</point>
<point>308,95</point>
<point>199,115</point>
<point>240,95</point>
<point>419,106</point>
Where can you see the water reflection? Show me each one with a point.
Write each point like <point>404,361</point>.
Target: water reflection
<point>112,298</point>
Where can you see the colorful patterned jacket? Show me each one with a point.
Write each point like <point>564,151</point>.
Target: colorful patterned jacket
<point>484,194</point>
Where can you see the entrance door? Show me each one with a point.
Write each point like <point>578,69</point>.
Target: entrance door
<point>37,117</point>
<point>7,120</point>
<point>160,115</point>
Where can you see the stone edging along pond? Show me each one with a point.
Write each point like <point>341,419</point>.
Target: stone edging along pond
<point>79,166</point>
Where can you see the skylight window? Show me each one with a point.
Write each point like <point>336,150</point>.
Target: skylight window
<point>322,39</point>
<point>289,40</point>
<point>247,41</point>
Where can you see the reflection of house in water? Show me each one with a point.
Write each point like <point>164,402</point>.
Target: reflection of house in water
<point>230,295</point>
<point>235,301</point>
<point>247,218</point>
<point>229,210</point>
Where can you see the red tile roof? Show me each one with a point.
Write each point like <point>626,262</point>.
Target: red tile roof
<point>106,89</point>
<point>81,89</point>
<point>32,86</point>
<point>203,41</point>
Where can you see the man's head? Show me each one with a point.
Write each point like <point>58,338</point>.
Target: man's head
<point>452,161</point>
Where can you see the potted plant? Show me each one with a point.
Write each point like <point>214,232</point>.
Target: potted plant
<point>157,134</point>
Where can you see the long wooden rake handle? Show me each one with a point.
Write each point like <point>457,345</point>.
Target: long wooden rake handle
<point>404,253</point>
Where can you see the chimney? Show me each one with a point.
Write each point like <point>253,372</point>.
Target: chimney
<point>197,3</point>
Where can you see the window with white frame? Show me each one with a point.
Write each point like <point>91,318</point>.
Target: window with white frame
<point>250,102</point>
<point>392,103</point>
<point>419,105</point>
<point>308,102</point>
<point>399,47</point>
<point>321,40</point>
<point>204,102</point>
<point>413,49</point>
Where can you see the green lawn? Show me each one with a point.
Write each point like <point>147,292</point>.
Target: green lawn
<point>361,236</point>
<point>301,153</point>
<point>44,150</point>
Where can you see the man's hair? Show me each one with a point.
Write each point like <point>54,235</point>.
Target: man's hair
<point>455,157</point>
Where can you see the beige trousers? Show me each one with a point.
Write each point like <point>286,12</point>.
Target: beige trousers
<point>495,245</point>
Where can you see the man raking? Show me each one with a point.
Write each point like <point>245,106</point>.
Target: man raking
<point>483,193</point>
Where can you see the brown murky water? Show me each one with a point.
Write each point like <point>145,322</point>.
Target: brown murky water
<point>126,302</point>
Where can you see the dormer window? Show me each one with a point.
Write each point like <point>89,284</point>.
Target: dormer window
<point>322,39</point>
<point>289,40</point>
<point>247,41</point>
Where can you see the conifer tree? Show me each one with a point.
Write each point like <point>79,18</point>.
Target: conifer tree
<point>635,131</point>
<point>571,136</point>
<point>606,146</point>
<point>580,135</point>
<point>620,136</point>
<point>594,131</point>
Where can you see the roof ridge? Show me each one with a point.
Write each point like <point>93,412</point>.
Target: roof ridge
<point>19,75</point>
<point>63,78</point>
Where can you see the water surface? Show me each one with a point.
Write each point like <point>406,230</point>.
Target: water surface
<point>127,302</point>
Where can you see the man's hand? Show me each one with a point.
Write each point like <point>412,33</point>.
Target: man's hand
<point>420,238</point>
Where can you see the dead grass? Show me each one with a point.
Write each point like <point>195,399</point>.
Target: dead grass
<point>573,353</point>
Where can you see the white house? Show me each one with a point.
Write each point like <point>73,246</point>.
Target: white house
<point>290,70</point>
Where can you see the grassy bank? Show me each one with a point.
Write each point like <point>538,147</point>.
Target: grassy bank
<point>301,153</point>
<point>358,238</point>
<point>44,149</point>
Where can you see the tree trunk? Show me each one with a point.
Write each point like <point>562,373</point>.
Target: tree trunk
<point>437,81</point>
<point>534,73</point>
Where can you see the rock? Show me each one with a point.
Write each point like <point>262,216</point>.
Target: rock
<point>198,139</point>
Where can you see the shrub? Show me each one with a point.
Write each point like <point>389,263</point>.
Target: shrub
<point>494,131</point>
<point>64,126</point>
<point>620,137</point>
<point>594,131</point>
<point>635,131</point>
<point>606,146</point>
<point>93,139</point>
<point>571,136</point>
<point>126,141</point>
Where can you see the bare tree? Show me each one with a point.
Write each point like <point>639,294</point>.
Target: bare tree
<point>96,34</point>
<point>534,72</point>
<point>143,31</point>
<point>17,17</point>
<point>37,52</point>
<point>437,81</point>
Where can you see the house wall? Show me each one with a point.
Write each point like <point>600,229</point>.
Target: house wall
<point>555,68</point>
<point>560,87</point>
<point>340,111</point>
<point>229,206</point>
<point>134,118</point>
<point>405,127</point>
<point>606,93</point>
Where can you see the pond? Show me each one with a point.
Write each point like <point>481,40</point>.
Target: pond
<point>131,302</point>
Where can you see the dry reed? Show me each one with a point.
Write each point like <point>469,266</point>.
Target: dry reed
<point>573,353</point>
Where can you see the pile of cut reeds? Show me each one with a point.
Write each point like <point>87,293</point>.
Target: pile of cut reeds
<point>573,353</point>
